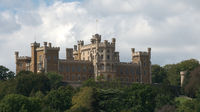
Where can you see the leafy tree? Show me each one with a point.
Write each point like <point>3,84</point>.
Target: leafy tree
<point>60,99</point>
<point>23,72</point>
<point>7,87</point>
<point>109,100</point>
<point>19,103</point>
<point>89,83</point>
<point>25,84</point>
<point>55,79</point>
<point>187,106</point>
<point>83,101</point>
<point>173,70</point>
<point>158,74</point>
<point>193,84</point>
<point>5,73</point>
<point>140,98</point>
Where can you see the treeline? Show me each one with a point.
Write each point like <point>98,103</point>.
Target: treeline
<point>28,92</point>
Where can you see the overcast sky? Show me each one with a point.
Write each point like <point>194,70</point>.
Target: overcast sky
<point>170,27</point>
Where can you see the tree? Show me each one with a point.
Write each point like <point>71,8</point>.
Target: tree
<point>140,98</point>
<point>7,87</point>
<point>60,99</point>
<point>5,73</point>
<point>83,100</point>
<point>55,79</point>
<point>193,84</point>
<point>23,72</point>
<point>19,103</point>
<point>26,84</point>
<point>109,100</point>
<point>158,74</point>
<point>173,70</point>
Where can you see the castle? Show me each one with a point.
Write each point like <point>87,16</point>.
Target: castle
<point>97,59</point>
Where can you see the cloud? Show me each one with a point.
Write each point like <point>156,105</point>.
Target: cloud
<point>170,28</point>
<point>8,23</point>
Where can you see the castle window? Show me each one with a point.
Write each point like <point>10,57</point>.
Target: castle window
<point>133,72</point>
<point>73,77</point>
<point>67,69</point>
<point>126,71</point>
<point>102,67</point>
<point>40,66</point>
<point>108,51</point>
<point>79,78</point>
<point>49,58</point>
<point>55,57</point>
<point>144,72</point>
<point>73,69</point>
<point>40,58</point>
<point>91,70</point>
<point>138,72</point>
<point>108,57</point>
<point>83,77</point>
<point>102,57</point>
<point>61,68</point>
<point>20,65</point>
<point>67,77</point>
<point>78,68</point>
<point>84,69</point>
<point>121,71</point>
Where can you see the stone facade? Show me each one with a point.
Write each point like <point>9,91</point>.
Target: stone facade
<point>97,59</point>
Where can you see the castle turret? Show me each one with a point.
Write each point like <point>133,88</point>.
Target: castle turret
<point>34,46</point>
<point>144,60</point>
<point>182,73</point>
<point>16,55</point>
<point>69,53</point>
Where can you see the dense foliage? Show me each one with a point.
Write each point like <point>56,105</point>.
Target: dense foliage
<point>5,73</point>
<point>29,92</point>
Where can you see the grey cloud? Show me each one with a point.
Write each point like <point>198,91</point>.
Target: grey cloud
<point>170,27</point>
<point>8,23</point>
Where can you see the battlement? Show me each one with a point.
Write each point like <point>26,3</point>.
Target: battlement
<point>35,44</point>
<point>127,63</point>
<point>48,46</point>
<point>73,61</point>
<point>80,42</point>
<point>24,58</point>
<point>140,53</point>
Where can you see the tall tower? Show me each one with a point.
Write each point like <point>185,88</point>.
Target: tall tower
<point>69,54</point>
<point>50,58</point>
<point>144,60</point>
<point>34,46</point>
<point>182,73</point>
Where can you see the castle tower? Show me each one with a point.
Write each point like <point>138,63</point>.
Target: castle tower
<point>51,57</point>
<point>182,73</point>
<point>16,60</point>
<point>69,54</point>
<point>144,60</point>
<point>34,46</point>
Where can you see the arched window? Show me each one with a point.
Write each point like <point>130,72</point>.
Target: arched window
<point>108,67</point>
<point>101,66</point>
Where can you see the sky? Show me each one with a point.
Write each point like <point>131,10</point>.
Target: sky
<point>170,27</point>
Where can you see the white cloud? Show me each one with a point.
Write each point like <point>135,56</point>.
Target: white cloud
<point>170,27</point>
